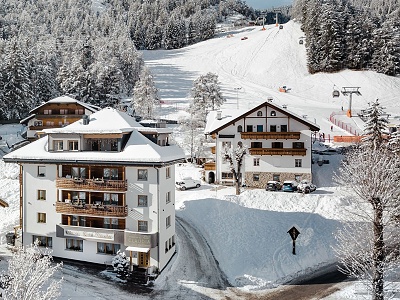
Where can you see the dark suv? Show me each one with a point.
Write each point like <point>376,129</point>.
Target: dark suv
<point>273,186</point>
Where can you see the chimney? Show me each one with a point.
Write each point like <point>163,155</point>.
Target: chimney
<point>85,119</point>
<point>219,117</point>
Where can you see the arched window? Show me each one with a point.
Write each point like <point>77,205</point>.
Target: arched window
<point>273,113</point>
<point>239,128</point>
<point>259,113</point>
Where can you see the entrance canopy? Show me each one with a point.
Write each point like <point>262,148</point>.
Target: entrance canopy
<point>138,249</point>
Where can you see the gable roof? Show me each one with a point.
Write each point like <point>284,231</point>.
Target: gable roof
<point>138,150</point>
<point>67,99</point>
<point>229,117</point>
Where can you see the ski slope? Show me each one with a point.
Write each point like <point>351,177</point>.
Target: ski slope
<point>252,70</point>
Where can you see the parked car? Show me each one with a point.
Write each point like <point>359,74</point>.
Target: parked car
<point>187,183</point>
<point>306,187</point>
<point>273,186</point>
<point>244,38</point>
<point>289,186</point>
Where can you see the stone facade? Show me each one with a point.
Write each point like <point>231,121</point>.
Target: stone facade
<point>264,177</point>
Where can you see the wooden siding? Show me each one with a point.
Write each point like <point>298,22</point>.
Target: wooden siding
<point>270,135</point>
<point>278,151</point>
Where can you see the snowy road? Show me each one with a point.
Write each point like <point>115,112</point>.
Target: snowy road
<point>190,275</point>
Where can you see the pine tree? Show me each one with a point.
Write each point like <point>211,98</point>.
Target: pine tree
<point>375,125</point>
<point>145,95</point>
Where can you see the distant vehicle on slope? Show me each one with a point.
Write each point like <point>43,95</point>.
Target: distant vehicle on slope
<point>244,38</point>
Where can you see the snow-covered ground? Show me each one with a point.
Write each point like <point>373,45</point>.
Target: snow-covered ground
<point>247,234</point>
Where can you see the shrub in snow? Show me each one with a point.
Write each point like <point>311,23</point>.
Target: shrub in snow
<point>120,263</point>
<point>29,275</point>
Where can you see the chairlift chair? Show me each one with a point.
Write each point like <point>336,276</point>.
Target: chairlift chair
<point>335,94</point>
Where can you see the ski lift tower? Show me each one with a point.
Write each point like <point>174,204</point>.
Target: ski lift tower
<point>350,91</point>
<point>264,14</point>
<point>277,11</point>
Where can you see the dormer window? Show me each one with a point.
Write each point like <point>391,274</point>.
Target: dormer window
<point>73,145</point>
<point>58,145</point>
<point>273,113</point>
<point>259,113</point>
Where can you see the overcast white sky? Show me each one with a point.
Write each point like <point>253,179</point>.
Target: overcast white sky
<point>262,4</point>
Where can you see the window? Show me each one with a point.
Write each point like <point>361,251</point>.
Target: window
<point>168,222</point>
<point>297,163</point>
<point>256,162</point>
<point>142,200</point>
<point>114,145</point>
<point>142,226</point>
<point>256,144</point>
<point>110,173</point>
<point>283,128</point>
<point>273,113</point>
<point>142,174</point>
<point>114,223</point>
<point>272,128</point>
<point>41,171</point>
<point>226,175</point>
<point>106,223</point>
<point>63,111</point>
<point>47,111</point>
<point>108,248</point>
<point>75,221</point>
<point>41,194</point>
<point>297,178</point>
<point>240,128</point>
<point>259,113</point>
<point>73,145</point>
<point>168,172</point>
<point>168,197</point>
<point>277,145</point>
<point>276,177</point>
<point>260,128</point>
<point>38,123</point>
<point>110,199</point>
<point>256,177</point>
<point>58,145</point>
<point>79,197</point>
<point>298,145</point>
<point>44,241</point>
<point>79,111</point>
<point>41,218</point>
<point>49,123</point>
<point>166,246</point>
<point>249,128</point>
<point>78,172</point>
<point>74,245</point>
<point>226,145</point>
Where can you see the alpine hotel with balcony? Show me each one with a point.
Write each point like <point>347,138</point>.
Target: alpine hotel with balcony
<point>102,184</point>
<point>278,141</point>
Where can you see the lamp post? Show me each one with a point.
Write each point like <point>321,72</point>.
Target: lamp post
<point>237,96</point>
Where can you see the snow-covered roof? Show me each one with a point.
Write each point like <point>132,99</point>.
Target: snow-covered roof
<point>227,117</point>
<point>26,119</point>
<point>138,150</point>
<point>67,99</point>
<point>107,120</point>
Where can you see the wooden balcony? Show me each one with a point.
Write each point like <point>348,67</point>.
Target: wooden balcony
<point>278,151</point>
<point>92,184</point>
<point>210,166</point>
<point>270,135</point>
<point>92,209</point>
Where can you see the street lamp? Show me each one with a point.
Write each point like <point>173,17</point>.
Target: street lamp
<point>237,96</point>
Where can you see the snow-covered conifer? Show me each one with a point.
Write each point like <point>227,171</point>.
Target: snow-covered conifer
<point>375,125</point>
<point>120,263</point>
<point>145,95</point>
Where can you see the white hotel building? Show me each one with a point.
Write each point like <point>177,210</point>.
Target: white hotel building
<point>102,184</point>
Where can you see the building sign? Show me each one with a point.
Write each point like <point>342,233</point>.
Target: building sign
<point>137,240</point>
<point>90,234</point>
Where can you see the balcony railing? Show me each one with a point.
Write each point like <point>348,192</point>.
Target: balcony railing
<point>278,151</point>
<point>92,184</point>
<point>210,166</point>
<point>270,135</point>
<point>92,209</point>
